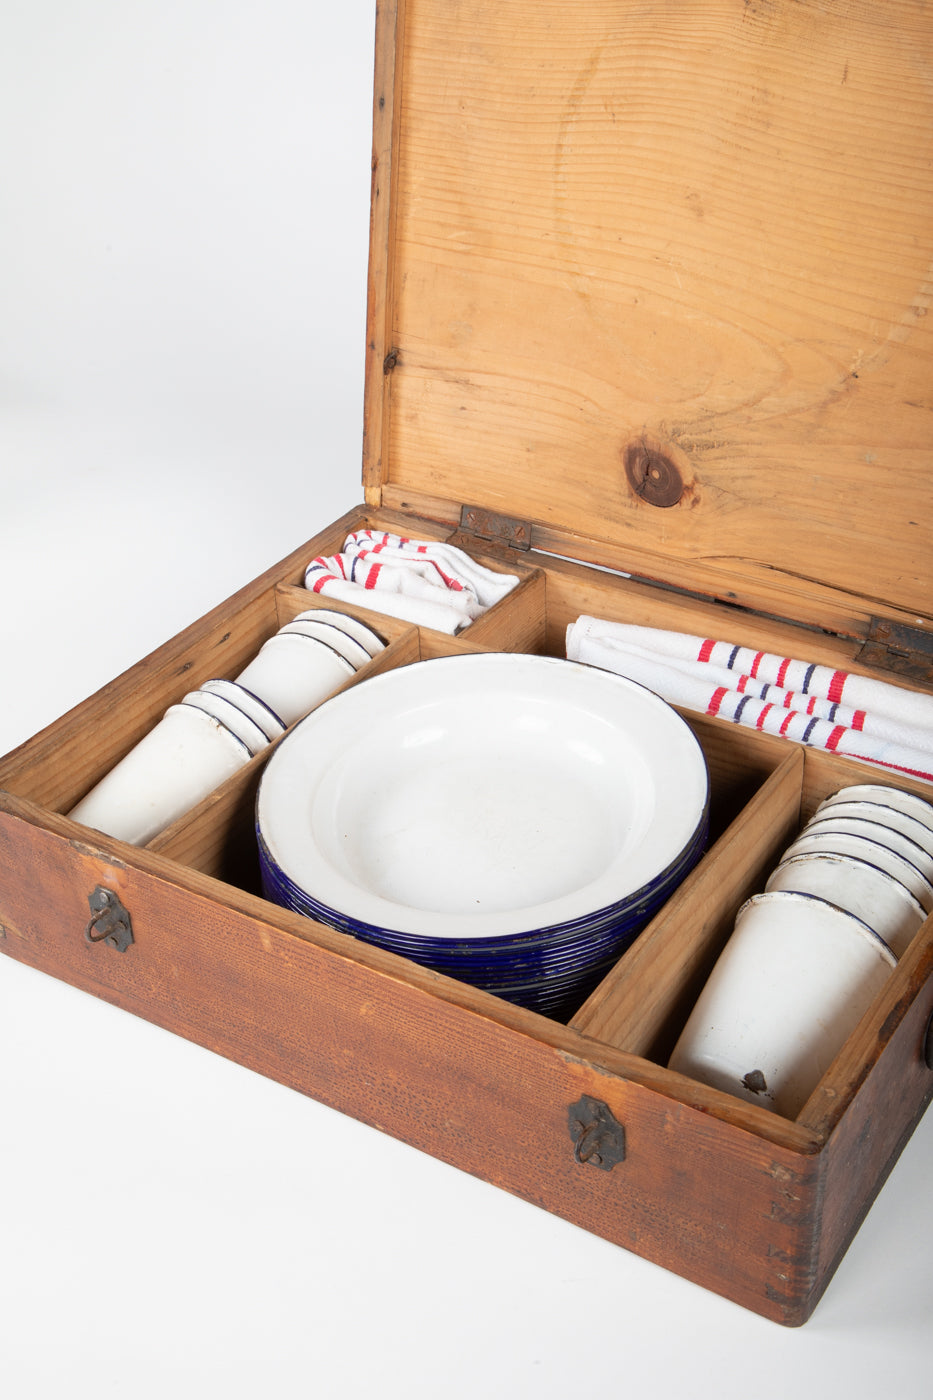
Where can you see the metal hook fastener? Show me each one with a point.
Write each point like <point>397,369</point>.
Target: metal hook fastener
<point>598,1137</point>
<point>109,922</point>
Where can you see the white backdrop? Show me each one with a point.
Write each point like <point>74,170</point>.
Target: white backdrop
<point>183,237</point>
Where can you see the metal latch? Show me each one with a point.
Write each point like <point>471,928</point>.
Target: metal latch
<point>598,1136</point>
<point>898,648</point>
<point>497,529</point>
<point>109,923</point>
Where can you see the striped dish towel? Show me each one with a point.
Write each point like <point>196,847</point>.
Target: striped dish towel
<point>422,581</point>
<point>831,709</point>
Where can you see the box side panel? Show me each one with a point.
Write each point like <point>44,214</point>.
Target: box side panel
<point>888,1102</point>
<point>703,1197</point>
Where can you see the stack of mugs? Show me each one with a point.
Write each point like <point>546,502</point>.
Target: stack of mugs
<point>808,956</point>
<point>308,659</point>
<point>218,728</point>
<point>868,849</point>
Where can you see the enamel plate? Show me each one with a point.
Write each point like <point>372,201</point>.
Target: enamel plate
<point>482,795</point>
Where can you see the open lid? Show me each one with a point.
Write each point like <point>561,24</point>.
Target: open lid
<point>654,275</point>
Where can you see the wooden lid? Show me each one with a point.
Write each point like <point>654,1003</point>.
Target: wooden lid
<point>656,277</point>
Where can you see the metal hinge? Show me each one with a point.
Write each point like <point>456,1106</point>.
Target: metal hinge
<point>896,647</point>
<point>497,529</point>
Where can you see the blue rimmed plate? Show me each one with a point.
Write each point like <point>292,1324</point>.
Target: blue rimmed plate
<point>512,820</point>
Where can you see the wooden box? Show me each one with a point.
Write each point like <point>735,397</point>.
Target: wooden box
<point>647,327</point>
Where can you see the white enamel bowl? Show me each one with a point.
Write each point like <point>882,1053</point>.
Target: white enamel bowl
<point>482,796</point>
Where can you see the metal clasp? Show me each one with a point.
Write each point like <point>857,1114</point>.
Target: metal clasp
<point>109,922</point>
<point>599,1138</point>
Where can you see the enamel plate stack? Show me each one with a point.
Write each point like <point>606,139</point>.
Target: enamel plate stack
<point>511,821</point>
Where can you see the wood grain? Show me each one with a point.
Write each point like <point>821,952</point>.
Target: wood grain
<point>390,22</point>
<point>704,229</point>
<point>518,622</point>
<point>573,590</point>
<point>290,601</point>
<point>642,1004</point>
<point>758,589</point>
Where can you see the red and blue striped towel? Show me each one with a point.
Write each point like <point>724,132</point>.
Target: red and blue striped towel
<point>827,708</point>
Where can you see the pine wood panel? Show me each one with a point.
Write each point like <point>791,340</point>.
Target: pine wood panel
<point>383,203</point>
<point>740,583</point>
<point>573,590</point>
<point>517,623</point>
<point>704,229</point>
<point>290,601</point>
<point>651,990</point>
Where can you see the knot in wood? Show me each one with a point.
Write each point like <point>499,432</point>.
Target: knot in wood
<point>652,475</point>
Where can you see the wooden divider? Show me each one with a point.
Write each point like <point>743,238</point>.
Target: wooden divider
<point>642,1004</point>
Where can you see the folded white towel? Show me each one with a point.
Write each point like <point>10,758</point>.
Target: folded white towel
<point>323,576</point>
<point>707,676</point>
<point>435,585</point>
<point>435,560</point>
